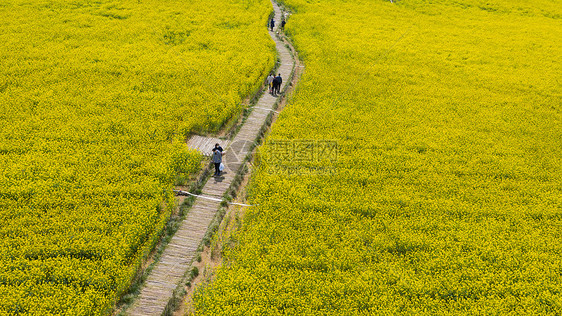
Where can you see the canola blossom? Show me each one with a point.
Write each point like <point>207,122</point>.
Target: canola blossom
<point>96,99</point>
<point>445,196</point>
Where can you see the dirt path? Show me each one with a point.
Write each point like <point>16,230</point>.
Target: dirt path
<point>176,260</point>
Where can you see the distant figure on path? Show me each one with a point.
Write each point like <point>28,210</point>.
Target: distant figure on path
<point>274,84</point>
<point>277,81</point>
<point>270,82</point>
<point>283,22</point>
<point>217,159</point>
<point>271,24</point>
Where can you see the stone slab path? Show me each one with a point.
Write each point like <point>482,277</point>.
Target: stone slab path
<point>205,145</point>
<point>180,252</point>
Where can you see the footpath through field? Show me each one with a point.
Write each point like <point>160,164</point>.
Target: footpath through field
<point>182,248</point>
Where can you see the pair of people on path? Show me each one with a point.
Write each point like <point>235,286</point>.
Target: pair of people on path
<point>276,85</point>
<point>283,22</point>
<point>216,158</point>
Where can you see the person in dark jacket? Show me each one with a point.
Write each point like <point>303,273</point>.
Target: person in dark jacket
<point>217,146</point>
<point>217,159</point>
<point>271,24</point>
<point>277,81</point>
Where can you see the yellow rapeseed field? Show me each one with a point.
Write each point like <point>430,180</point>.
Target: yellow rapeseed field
<point>444,193</point>
<point>96,99</point>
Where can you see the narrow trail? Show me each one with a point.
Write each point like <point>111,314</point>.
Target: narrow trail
<point>180,252</point>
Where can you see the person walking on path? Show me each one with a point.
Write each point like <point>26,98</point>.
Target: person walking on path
<point>271,24</point>
<point>277,81</point>
<point>270,82</point>
<point>217,159</point>
<point>283,22</point>
<point>274,84</point>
